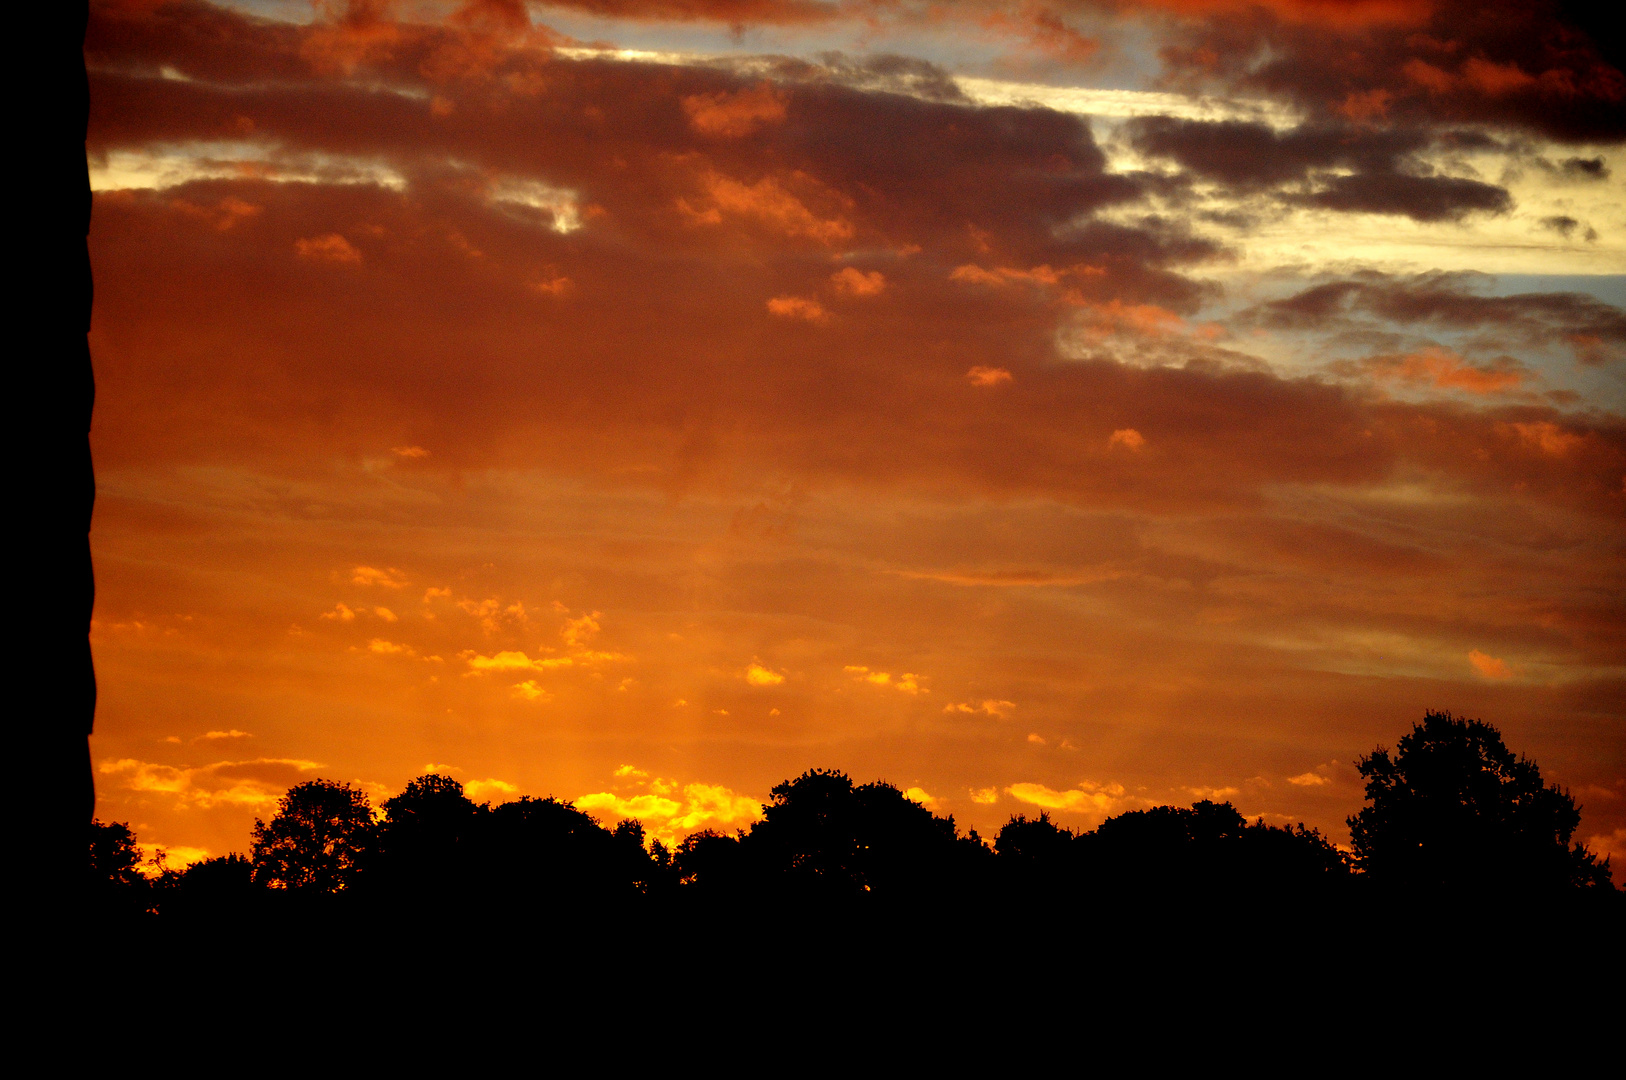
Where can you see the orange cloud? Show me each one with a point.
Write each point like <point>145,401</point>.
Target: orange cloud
<point>987,376</point>
<point>1128,438</point>
<point>855,282</point>
<point>1446,370</point>
<point>732,116</point>
<point>767,203</point>
<point>1488,666</point>
<point>1545,436</point>
<point>998,709</point>
<point>798,307</point>
<point>1309,779</point>
<point>328,248</point>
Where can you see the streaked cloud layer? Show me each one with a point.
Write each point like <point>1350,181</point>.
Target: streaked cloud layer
<point>1042,405</point>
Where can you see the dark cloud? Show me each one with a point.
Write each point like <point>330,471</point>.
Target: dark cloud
<point>1387,177</point>
<point>1562,224</point>
<point>1587,168</point>
<point>1594,330</point>
<point>1542,67</point>
<point>1449,300</point>
<point>1422,198</point>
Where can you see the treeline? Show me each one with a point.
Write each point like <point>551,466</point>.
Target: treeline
<point>1452,810</point>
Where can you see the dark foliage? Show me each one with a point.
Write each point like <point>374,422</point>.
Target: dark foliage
<point>115,884</point>
<point>317,839</point>
<point>1453,809</point>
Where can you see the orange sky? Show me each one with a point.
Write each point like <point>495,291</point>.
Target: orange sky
<point>646,428</point>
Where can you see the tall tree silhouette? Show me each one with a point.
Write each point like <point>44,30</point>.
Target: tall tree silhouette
<point>1453,808</point>
<point>317,839</point>
<point>116,885</point>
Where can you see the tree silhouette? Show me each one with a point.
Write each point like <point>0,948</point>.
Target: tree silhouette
<point>316,840</point>
<point>1454,809</point>
<point>823,835</point>
<point>115,883</point>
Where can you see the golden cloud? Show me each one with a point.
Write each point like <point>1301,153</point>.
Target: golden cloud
<point>670,810</point>
<point>757,675</point>
<point>255,783</point>
<point>1087,798</point>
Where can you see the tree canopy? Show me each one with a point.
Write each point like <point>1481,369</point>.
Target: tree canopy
<point>316,839</point>
<point>1454,808</point>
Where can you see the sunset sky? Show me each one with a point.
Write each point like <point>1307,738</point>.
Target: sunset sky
<point>1037,404</point>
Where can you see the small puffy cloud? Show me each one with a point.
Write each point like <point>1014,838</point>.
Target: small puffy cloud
<point>552,286</point>
<point>488,790</point>
<point>513,660</point>
<point>987,376</point>
<point>579,631</point>
<point>1489,667</point>
<point>855,282</point>
<point>770,204</point>
<point>385,613</point>
<point>331,248</point>
<point>431,593</point>
<point>231,734</point>
<point>411,452</point>
<point>1128,438</point>
<point>908,681</point>
<point>372,575</point>
<point>530,690</point>
<point>629,770</point>
<point>987,796</point>
<point>733,116</point>
<point>1309,779</point>
<point>390,648</point>
<point>1036,739</point>
<point>340,613</point>
<point>798,307</point>
<point>919,795</point>
<point>997,709</point>
<point>757,675</point>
